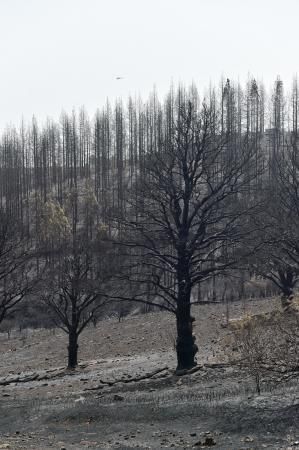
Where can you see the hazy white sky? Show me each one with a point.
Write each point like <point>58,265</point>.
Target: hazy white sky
<point>60,54</point>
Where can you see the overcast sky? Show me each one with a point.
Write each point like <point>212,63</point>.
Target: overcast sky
<point>60,54</point>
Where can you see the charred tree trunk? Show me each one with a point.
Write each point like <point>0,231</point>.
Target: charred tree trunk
<point>287,284</point>
<point>287,297</point>
<point>186,348</point>
<point>73,350</point>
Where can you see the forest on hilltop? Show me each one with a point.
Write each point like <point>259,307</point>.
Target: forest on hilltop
<point>163,203</point>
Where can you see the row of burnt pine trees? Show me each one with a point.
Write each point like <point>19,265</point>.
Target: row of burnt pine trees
<point>109,151</point>
<point>147,203</point>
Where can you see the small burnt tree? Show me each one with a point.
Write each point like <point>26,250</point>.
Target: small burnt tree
<point>78,264</point>
<point>190,213</point>
<point>75,296</point>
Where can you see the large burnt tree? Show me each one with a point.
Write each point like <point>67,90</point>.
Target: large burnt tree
<point>193,210</point>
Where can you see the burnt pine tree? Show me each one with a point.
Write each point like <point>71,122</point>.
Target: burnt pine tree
<point>193,211</point>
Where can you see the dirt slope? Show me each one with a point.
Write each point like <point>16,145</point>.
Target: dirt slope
<point>125,395</point>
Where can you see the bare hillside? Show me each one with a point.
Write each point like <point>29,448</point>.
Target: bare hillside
<point>125,394</point>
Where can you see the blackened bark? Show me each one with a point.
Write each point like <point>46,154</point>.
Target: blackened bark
<point>186,348</point>
<point>287,299</point>
<point>287,284</point>
<point>73,350</point>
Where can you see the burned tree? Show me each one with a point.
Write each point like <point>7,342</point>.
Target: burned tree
<point>193,210</point>
<point>78,286</point>
<point>16,279</point>
<point>279,261</point>
<point>74,298</point>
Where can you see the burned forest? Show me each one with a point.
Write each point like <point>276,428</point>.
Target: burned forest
<point>149,272</point>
